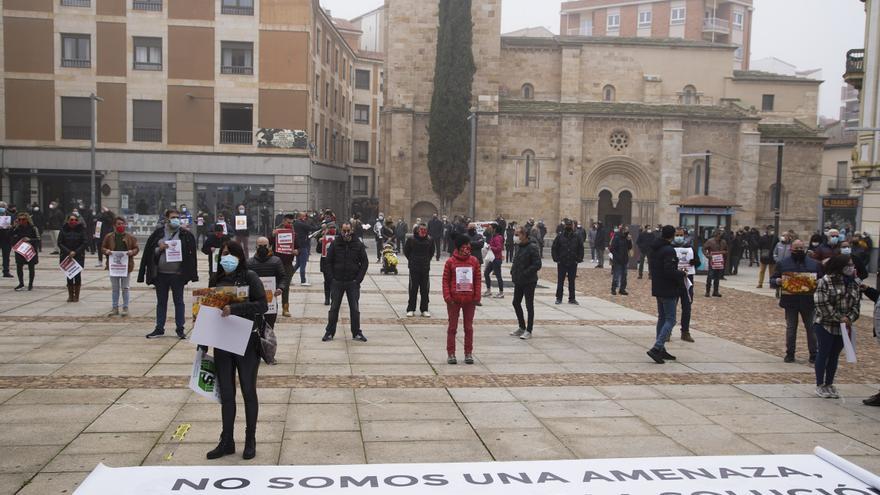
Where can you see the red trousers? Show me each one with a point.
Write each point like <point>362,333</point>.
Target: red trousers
<point>453,311</point>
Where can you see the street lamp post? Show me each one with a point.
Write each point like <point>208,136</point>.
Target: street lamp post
<point>472,166</point>
<point>777,194</point>
<point>94,101</point>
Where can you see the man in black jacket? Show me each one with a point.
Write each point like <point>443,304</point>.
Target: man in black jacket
<point>435,232</point>
<point>419,249</point>
<point>169,262</point>
<point>601,244</point>
<point>797,305</point>
<point>666,282</point>
<point>567,252</point>
<point>524,274</point>
<point>267,265</point>
<point>347,265</point>
<point>644,242</point>
<point>303,230</point>
<point>620,248</point>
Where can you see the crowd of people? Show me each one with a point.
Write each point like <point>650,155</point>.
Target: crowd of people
<point>835,258</point>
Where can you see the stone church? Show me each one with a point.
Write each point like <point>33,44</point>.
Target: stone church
<point>602,128</point>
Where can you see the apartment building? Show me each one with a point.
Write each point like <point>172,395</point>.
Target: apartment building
<point>718,21</point>
<point>210,103</point>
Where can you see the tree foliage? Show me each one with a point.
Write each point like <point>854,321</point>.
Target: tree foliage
<point>449,138</point>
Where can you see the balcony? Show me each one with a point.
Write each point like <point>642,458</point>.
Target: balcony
<point>76,62</point>
<point>236,137</point>
<point>236,10</point>
<point>147,135</point>
<point>716,25</point>
<point>147,5</point>
<point>76,132</point>
<point>76,3</point>
<point>157,66</point>
<point>838,187</point>
<point>237,69</point>
<point>855,68</point>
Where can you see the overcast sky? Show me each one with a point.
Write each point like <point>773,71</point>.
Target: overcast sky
<point>816,34</point>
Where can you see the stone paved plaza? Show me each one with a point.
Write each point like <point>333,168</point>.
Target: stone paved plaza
<point>78,388</point>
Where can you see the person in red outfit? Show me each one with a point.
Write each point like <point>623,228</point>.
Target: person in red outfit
<point>461,291</point>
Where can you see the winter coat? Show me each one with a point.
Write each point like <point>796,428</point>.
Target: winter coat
<point>644,241</point>
<point>782,251</point>
<point>789,265</point>
<point>435,228</point>
<point>346,261</point>
<point>401,230</point>
<point>150,260</point>
<point>568,249</point>
<point>212,242</point>
<point>666,279</point>
<point>526,264</point>
<point>601,241</point>
<point>419,251</point>
<point>496,244</point>
<point>450,295</point>
<point>269,267</point>
<point>31,236</point>
<point>256,304</point>
<point>303,230</point>
<point>73,240</point>
<point>131,244</point>
<point>620,248</point>
<point>477,243</point>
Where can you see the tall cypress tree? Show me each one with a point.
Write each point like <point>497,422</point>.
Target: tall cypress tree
<point>449,138</point>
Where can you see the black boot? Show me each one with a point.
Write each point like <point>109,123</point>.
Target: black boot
<point>31,274</point>
<point>250,445</point>
<point>225,447</point>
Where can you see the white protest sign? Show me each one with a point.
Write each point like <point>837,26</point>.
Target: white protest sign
<point>270,286</point>
<point>25,250</point>
<point>174,253</point>
<point>240,222</point>
<point>5,221</point>
<point>685,255</point>
<point>464,279</point>
<point>731,475</point>
<point>223,224</point>
<point>118,263</point>
<point>229,333</point>
<point>284,241</point>
<point>98,229</point>
<point>71,267</point>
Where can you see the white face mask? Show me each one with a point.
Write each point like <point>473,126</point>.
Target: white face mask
<point>516,239</point>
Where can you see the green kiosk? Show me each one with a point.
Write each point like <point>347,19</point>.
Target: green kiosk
<point>702,216</point>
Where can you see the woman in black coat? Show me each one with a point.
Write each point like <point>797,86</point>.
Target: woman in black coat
<point>72,243</point>
<point>24,229</point>
<point>233,272</point>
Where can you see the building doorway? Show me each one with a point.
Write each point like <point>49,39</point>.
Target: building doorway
<point>613,213</point>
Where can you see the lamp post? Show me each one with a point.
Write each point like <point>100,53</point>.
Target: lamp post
<point>94,101</point>
<point>472,166</point>
<point>777,194</point>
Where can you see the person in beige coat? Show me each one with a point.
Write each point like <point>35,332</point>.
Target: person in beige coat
<point>120,240</point>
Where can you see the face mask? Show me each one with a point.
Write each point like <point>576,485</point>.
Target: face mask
<point>832,240</point>
<point>465,250</point>
<point>846,250</point>
<point>221,220</point>
<point>423,232</point>
<point>241,210</point>
<point>51,207</point>
<point>346,235</point>
<point>849,271</point>
<point>229,263</point>
<point>2,210</point>
<point>72,223</point>
<point>74,212</point>
<point>36,209</point>
<point>175,223</point>
<point>798,255</point>
<point>516,239</point>
<point>679,239</point>
<point>120,228</point>
<point>183,209</point>
<point>262,251</point>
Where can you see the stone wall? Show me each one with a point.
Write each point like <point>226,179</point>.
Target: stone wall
<point>801,177</point>
<point>540,67</point>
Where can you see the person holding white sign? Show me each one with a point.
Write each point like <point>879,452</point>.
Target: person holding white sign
<point>26,238</point>
<point>233,272</point>
<point>265,264</point>
<point>5,237</point>
<point>72,243</point>
<point>837,300</point>
<point>283,243</point>
<point>687,261</point>
<point>461,291</point>
<point>120,248</point>
<point>715,250</point>
<point>242,231</point>
<point>169,263</point>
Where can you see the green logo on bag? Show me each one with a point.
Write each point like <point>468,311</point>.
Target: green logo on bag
<point>206,376</point>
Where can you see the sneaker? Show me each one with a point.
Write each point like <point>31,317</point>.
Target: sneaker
<point>613,292</point>
<point>124,312</point>
<point>451,360</point>
<point>832,392</point>
<point>500,295</point>
<point>686,336</point>
<point>789,358</point>
<point>487,293</point>
<point>327,337</point>
<point>468,359</point>
<point>559,301</point>
<point>874,400</point>
<point>305,284</point>
<point>656,356</point>
<point>822,392</point>
<point>155,334</point>
<point>716,295</point>
<point>526,335</point>
<point>19,288</point>
<point>410,314</point>
<point>181,334</point>
<point>7,275</point>
<point>113,312</point>
<point>518,332</point>
<point>665,355</point>
<point>359,337</point>
<point>478,303</point>
<point>624,293</point>
<point>98,264</point>
<point>574,301</point>
<point>426,314</point>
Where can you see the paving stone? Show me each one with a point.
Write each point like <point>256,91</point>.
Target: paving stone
<point>60,397</point>
<point>499,415</point>
<point>111,443</point>
<point>39,433</point>
<point>738,406</point>
<point>710,440</point>
<point>193,454</point>
<point>53,484</point>
<point>322,417</point>
<point>599,427</point>
<point>11,482</point>
<point>209,431</point>
<point>526,444</point>
<point>322,396</point>
<point>322,448</point>
<point>700,391</point>
<point>803,443</point>
<point>544,394</point>
<point>426,451</point>
<point>407,411</point>
<point>577,409</point>
<point>134,418</point>
<point>86,462</point>
<point>395,395</point>
<point>40,414</point>
<point>27,459</point>
<point>481,395</point>
<point>623,447</point>
<point>663,412</point>
<point>768,423</point>
<point>630,392</point>
<point>819,410</point>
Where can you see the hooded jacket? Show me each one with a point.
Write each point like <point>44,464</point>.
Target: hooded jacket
<point>73,240</point>
<point>269,267</point>
<point>666,279</point>
<point>419,251</point>
<point>450,295</point>
<point>526,264</point>
<point>346,261</point>
<point>568,249</point>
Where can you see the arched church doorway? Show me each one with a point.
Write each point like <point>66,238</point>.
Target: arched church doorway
<point>424,210</point>
<point>615,211</point>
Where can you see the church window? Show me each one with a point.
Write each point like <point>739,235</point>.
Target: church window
<point>619,141</point>
<point>609,93</point>
<point>529,170</point>
<point>689,96</point>
<point>528,91</point>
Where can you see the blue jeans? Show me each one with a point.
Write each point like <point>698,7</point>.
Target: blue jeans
<point>665,319</point>
<point>162,283</point>
<point>827,355</point>
<point>302,260</point>
<point>618,276</point>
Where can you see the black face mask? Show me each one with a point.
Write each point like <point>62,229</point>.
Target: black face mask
<point>798,256</point>
<point>262,252</point>
<point>472,231</point>
<point>569,228</point>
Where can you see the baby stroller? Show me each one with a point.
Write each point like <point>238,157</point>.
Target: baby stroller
<point>389,260</point>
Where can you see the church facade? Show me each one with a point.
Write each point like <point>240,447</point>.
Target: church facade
<point>601,128</point>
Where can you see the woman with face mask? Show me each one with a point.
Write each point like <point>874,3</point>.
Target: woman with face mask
<point>837,300</point>
<point>25,230</point>
<point>265,264</point>
<point>861,271</point>
<point>72,244</point>
<point>233,272</point>
<point>461,292</point>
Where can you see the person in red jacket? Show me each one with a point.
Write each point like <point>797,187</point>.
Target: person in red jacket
<point>461,291</point>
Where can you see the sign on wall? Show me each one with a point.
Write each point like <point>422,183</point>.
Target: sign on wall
<point>282,138</point>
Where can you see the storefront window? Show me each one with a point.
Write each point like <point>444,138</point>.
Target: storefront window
<point>143,203</point>
<point>258,199</point>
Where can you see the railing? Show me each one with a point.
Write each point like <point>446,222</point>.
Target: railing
<point>149,5</point>
<point>237,69</point>
<point>716,24</point>
<point>855,60</point>
<point>235,10</point>
<point>76,132</point>
<point>838,186</point>
<point>236,137</point>
<point>147,135</point>
<point>147,66</point>
<point>75,62</point>
<point>76,3</point>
